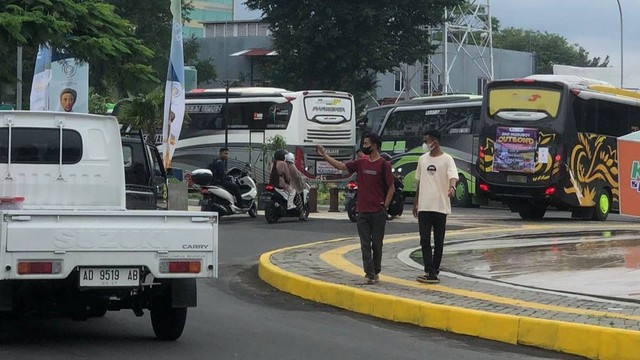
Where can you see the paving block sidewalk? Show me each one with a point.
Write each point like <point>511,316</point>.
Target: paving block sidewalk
<point>330,272</point>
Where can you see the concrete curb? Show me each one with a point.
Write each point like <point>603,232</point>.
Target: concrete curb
<point>590,341</point>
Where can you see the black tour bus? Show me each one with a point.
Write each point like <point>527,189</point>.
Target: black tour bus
<point>550,140</point>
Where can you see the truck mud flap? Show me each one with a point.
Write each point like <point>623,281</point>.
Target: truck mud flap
<point>184,293</point>
<point>6,296</point>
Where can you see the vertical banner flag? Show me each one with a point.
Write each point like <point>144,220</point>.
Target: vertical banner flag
<point>174,89</point>
<point>39,99</point>
<point>69,87</point>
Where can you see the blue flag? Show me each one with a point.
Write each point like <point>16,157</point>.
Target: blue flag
<point>39,99</point>
<point>174,89</point>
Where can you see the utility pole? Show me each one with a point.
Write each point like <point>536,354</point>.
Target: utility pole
<point>621,47</point>
<point>19,77</point>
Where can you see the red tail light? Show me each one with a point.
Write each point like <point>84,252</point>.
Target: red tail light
<point>558,158</point>
<point>38,267</point>
<point>481,152</point>
<point>180,266</point>
<point>575,92</point>
<point>290,98</point>
<point>550,191</point>
<point>484,187</point>
<point>352,185</point>
<point>268,187</point>
<point>524,81</point>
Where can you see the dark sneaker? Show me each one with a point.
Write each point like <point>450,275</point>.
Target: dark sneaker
<point>428,279</point>
<point>433,279</point>
<point>370,281</point>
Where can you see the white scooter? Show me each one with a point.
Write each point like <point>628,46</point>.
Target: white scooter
<point>217,198</point>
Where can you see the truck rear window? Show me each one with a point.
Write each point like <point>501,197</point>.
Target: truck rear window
<point>524,99</point>
<point>40,146</point>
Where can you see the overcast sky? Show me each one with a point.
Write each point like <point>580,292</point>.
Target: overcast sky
<point>594,24</point>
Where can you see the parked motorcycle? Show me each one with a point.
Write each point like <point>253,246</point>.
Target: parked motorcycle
<point>277,204</point>
<point>396,207</point>
<point>350,195</point>
<point>217,198</point>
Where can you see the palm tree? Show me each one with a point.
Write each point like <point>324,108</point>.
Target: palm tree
<point>143,111</point>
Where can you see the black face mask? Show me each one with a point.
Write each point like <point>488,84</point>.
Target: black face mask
<point>366,150</point>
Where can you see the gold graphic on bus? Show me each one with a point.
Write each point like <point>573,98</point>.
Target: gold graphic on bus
<point>592,165</point>
<point>543,168</point>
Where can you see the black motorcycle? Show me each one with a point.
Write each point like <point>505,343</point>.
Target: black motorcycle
<point>276,200</point>
<point>395,208</point>
<point>350,195</point>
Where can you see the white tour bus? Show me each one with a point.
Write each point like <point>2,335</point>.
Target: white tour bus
<point>257,114</point>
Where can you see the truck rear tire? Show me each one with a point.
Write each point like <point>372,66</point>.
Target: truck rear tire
<point>168,322</point>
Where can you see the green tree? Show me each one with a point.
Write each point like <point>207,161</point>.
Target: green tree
<point>549,49</point>
<point>152,20</point>
<point>90,29</point>
<point>206,69</point>
<point>143,111</point>
<point>341,45</point>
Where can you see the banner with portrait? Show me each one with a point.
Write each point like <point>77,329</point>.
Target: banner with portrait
<point>69,86</point>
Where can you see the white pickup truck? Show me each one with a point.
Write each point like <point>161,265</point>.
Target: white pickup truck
<point>67,243</point>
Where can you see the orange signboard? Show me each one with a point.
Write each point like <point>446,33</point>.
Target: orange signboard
<point>629,174</point>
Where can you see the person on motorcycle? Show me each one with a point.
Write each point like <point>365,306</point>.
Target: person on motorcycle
<point>281,177</point>
<point>218,168</point>
<point>297,183</point>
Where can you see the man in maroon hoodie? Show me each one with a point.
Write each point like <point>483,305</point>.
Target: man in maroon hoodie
<point>375,191</point>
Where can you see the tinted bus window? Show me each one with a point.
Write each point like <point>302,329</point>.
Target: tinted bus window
<point>40,146</point>
<point>524,99</point>
<point>459,120</point>
<point>208,119</point>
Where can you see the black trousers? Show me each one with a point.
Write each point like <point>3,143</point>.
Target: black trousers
<point>371,230</point>
<point>234,189</point>
<point>428,220</point>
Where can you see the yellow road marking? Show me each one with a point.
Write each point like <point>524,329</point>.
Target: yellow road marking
<point>336,259</point>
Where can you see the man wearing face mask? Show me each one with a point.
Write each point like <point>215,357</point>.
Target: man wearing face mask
<point>375,191</point>
<point>436,177</point>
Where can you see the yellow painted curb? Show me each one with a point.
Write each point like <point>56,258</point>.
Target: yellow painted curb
<point>590,341</point>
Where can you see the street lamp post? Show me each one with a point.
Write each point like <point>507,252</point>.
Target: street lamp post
<point>621,47</point>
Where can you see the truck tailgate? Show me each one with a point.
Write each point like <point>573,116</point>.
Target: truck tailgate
<point>110,238</point>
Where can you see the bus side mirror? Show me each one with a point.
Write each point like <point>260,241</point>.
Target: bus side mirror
<point>362,121</point>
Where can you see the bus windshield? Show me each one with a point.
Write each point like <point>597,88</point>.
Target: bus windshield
<point>522,99</point>
<point>328,109</point>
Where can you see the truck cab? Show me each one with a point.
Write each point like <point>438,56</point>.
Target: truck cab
<point>144,173</point>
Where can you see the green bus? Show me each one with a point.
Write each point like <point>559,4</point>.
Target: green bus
<point>457,118</point>
<point>550,140</point>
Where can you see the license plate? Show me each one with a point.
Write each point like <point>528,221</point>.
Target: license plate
<point>109,277</point>
<point>522,179</point>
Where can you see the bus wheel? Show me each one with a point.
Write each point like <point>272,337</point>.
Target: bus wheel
<point>603,205</point>
<point>532,212</point>
<point>461,197</point>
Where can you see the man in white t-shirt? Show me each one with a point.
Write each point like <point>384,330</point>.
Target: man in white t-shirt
<point>436,178</point>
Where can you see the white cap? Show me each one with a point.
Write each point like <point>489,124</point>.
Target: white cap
<point>289,158</point>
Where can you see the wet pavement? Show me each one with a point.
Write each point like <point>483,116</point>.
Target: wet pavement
<point>603,263</point>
